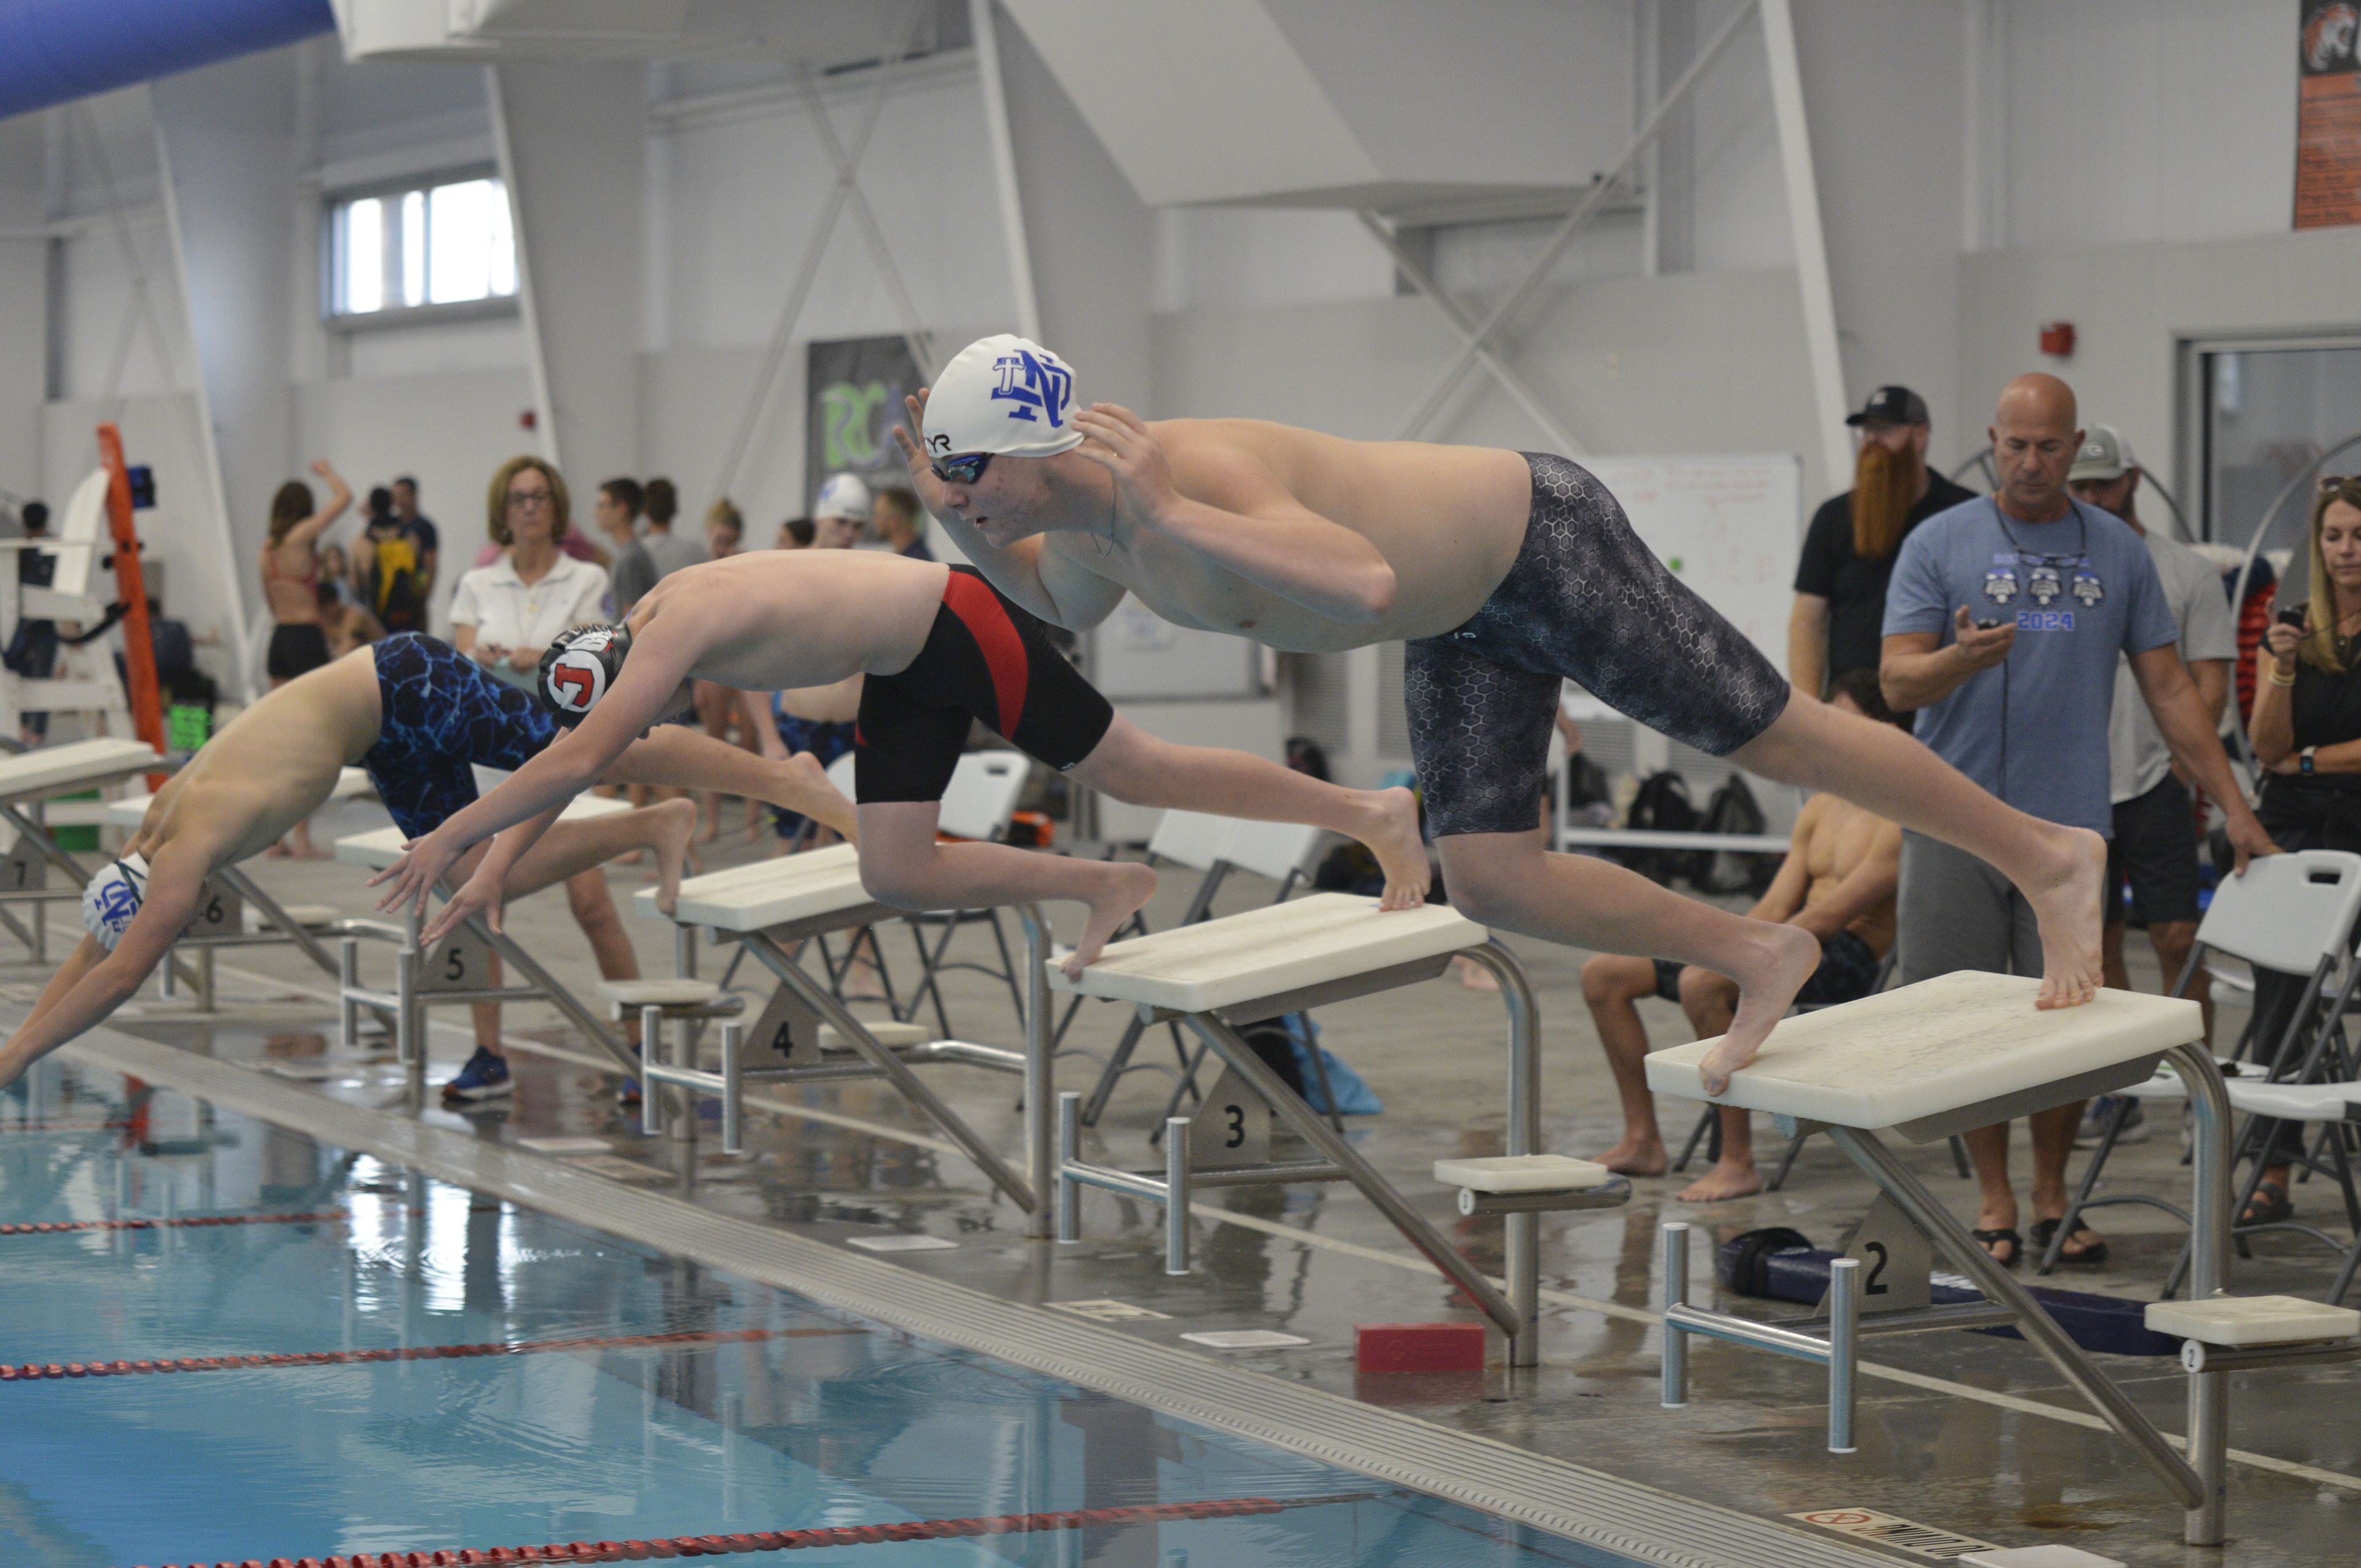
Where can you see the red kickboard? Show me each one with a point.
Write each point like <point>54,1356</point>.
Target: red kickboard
<point>1418,1347</point>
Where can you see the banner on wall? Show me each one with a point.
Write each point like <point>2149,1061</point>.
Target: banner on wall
<point>856,386</point>
<point>2328,116</point>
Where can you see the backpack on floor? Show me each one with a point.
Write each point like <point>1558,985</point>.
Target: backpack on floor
<point>1733,809</point>
<point>1661,806</point>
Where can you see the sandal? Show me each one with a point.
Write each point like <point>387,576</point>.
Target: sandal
<point>2016,1245</point>
<point>2046,1231</point>
<point>2269,1206</point>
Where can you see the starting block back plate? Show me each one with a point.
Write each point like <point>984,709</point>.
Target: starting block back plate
<point>2254,1319</point>
<point>1524,1173</point>
<point>1912,1055</point>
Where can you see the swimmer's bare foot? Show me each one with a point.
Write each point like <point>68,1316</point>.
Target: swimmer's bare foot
<point>675,823</point>
<point>1636,1156</point>
<point>1474,976</point>
<point>2067,903</point>
<point>1766,986</point>
<point>1723,1183</point>
<point>1393,836</point>
<point>1129,885</point>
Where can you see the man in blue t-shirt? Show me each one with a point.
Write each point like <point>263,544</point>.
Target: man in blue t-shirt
<point>2004,623</point>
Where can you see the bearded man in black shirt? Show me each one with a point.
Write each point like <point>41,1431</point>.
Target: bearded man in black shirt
<point>1848,551</point>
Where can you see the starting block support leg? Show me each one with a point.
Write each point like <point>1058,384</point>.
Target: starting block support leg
<point>1674,1267</point>
<point>1893,1178</point>
<point>1041,1071</point>
<point>1176,1195</point>
<point>348,979</point>
<point>1522,1232</point>
<point>1069,1149</point>
<point>2207,1521</point>
<point>1313,1129</point>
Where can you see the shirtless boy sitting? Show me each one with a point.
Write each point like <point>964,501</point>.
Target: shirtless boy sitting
<point>414,713</point>
<point>1837,884</point>
<point>1504,572</point>
<point>939,649</point>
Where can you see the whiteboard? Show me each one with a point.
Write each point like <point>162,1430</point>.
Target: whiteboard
<point>1730,526</point>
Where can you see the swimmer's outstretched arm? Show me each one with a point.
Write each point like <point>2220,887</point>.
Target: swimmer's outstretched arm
<point>93,982</point>
<point>1277,542</point>
<point>659,661</point>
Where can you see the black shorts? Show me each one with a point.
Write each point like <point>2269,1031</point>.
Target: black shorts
<point>296,650</point>
<point>985,659</point>
<point>440,713</point>
<point>2155,852</point>
<point>1586,601</point>
<point>1848,972</point>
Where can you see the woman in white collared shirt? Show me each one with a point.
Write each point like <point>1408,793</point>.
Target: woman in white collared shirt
<point>504,616</point>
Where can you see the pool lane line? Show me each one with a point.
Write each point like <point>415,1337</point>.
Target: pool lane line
<point>64,1227</point>
<point>33,1371</point>
<point>795,1539</point>
<point>62,1126</point>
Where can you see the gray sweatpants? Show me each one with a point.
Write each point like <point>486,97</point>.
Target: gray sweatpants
<point>1957,913</point>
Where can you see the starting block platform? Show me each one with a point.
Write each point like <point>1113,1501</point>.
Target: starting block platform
<point>1969,1050</point>
<point>1218,976</point>
<point>27,780</point>
<point>773,909</point>
<point>457,969</point>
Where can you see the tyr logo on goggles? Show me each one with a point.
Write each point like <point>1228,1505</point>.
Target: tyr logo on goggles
<point>965,469</point>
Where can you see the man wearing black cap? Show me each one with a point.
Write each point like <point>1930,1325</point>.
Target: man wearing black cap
<point>1848,551</point>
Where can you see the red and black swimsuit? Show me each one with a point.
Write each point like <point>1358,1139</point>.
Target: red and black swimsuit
<point>985,659</point>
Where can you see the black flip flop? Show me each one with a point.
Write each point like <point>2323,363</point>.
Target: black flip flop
<point>2046,1231</point>
<point>2269,1206</point>
<point>2016,1246</point>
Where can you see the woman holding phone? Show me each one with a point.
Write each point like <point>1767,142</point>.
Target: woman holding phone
<point>2307,735</point>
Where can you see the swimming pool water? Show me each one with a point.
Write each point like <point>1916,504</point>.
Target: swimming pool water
<point>822,1421</point>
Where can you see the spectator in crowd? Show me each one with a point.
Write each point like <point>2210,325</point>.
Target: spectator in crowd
<point>2307,735</point>
<point>666,549</point>
<point>840,513</point>
<point>796,534</point>
<point>177,679</point>
<point>32,651</point>
<point>1850,548</point>
<point>291,587</point>
<point>336,575</point>
<point>725,530</point>
<point>2154,851</point>
<point>895,519</point>
<point>386,567</point>
<point>423,538</point>
<point>2005,620</point>
<point>1837,883</point>
<point>504,616</point>
<point>632,570</point>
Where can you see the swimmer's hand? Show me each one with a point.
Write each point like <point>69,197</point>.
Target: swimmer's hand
<point>911,438</point>
<point>524,659</point>
<point>486,653</point>
<point>1119,441</point>
<point>479,894</point>
<point>421,867</point>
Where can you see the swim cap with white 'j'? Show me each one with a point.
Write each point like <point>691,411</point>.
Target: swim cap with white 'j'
<point>1006,395</point>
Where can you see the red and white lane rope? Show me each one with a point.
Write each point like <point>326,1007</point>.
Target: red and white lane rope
<point>34,1371</point>
<point>795,1539</point>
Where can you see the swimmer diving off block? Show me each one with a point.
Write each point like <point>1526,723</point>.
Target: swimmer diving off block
<point>1505,573</point>
<point>939,649</point>
<point>415,714</point>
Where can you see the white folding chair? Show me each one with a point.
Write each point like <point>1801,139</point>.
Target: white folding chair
<point>2334,1107</point>
<point>2293,913</point>
<point>978,804</point>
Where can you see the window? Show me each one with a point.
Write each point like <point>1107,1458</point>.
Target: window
<point>447,243</point>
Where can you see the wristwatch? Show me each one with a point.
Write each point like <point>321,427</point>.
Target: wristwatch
<point>2303,762</point>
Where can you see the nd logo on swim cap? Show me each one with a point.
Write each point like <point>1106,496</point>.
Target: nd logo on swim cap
<point>1032,378</point>
<point>580,667</point>
<point>111,901</point>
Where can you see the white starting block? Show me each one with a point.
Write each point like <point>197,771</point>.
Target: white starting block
<point>1941,1056</point>
<point>455,969</point>
<point>771,908</point>
<point>238,913</point>
<point>27,780</point>
<point>1220,975</point>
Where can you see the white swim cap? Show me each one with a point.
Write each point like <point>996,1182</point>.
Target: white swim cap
<point>844,496</point>
<point>1005,395</point>
<point>112,899</point>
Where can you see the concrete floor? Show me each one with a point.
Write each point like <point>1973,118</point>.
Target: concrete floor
<point>1964,1432</point>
